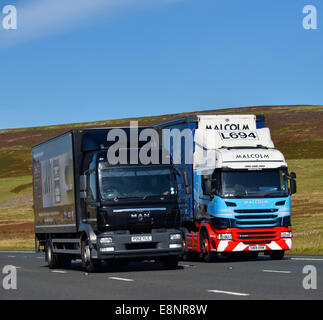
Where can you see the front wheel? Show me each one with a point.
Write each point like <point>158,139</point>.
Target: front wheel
<point>206,254</point>
<point>89,264</point>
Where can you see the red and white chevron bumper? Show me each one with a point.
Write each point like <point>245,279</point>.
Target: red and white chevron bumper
<point>234,246</point>
<point>253,240</point>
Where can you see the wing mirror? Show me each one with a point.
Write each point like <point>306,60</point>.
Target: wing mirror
<point>83,186</point>
<point>187,182</point>
<point>293,186</point>
<point>292,175</point>
<point>207,185</point>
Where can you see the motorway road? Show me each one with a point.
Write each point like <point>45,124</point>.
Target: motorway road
<point>225,279</point>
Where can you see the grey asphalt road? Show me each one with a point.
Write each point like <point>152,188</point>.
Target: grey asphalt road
<point>225,279</point>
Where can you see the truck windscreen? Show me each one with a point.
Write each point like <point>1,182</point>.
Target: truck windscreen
<point>136,182</point>
<point>246,184</point>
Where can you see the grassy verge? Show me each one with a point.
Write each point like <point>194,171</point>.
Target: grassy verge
<point>26,243</point>
<point>308,234</point>
<point>307,206</point>
<point>16,214</point>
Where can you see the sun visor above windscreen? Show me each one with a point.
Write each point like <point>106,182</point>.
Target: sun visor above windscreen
<point>227,122</point>
<point>213,139</point>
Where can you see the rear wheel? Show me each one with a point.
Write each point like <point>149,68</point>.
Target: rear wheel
<point>51,258</point>
<point>277,255</point>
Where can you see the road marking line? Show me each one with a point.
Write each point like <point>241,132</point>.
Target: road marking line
<point>277,271</point>
<point>16,251</point>
<point>186,265</point>
<point>229,292</point>
<point>59,271</point>
<point>11,256</point>
<point>121,279</point>
<point>307,259</point>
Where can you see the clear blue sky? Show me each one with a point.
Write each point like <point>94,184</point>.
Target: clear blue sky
<point>131,60</point>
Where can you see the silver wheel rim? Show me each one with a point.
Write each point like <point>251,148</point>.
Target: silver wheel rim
<point>49,254</point>
<point>86,254</point>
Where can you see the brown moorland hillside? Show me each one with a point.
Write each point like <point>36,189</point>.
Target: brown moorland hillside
<point>296,130</point>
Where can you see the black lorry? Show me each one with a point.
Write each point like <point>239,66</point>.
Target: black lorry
<point>91,209</point>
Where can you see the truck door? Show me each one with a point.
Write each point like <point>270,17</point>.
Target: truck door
<point>185,199</point>
<point>184,194</point>
<point>204,199</point>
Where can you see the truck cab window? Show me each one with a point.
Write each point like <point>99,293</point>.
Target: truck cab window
<point>136,182</point>
<point>258,183</point>
<point>213,179</point>
<point>92,180</point>
<point>204,180</point>
<point>92,185</point>
<point>216,178</point>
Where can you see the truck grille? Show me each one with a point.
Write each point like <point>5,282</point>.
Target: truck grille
<point>256,217</point>
<point>259,237</point>
<point>255,242</point>
<point>139,246</point>
<point>253,217</point>
<point>255,210</point>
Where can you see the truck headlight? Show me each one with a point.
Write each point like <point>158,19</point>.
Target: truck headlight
<point>175,246</point>
<point>107,240</point>
<point>224,236</point>
<point>175,236</point>
<point>109,249</point>
<point>285,234</point>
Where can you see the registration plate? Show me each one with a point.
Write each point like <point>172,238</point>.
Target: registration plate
<point>141,238</point>
<point>257,248</point>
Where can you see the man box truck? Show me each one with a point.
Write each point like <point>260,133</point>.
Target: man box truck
<point>88,207</point>
<point>235,195</point>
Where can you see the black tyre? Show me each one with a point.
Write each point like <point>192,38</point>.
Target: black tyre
<point>277,255</point>
<point>185,256</point>
<point>206,254</point>
<point>51,258</point>
<point>89,264</point>
<point>188,256</point>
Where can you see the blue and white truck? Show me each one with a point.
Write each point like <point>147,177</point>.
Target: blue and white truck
<point>234,188</point>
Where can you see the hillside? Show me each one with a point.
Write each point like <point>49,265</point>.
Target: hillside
<point>296,130</point>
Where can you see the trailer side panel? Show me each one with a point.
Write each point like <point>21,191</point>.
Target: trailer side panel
<point>54,186</point>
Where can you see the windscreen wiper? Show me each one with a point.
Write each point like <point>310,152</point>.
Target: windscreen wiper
<point>124,198</point>
<point>244,194</point>
<point>239,195</point>
<point>160,196</point>
<point>274,193</point>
